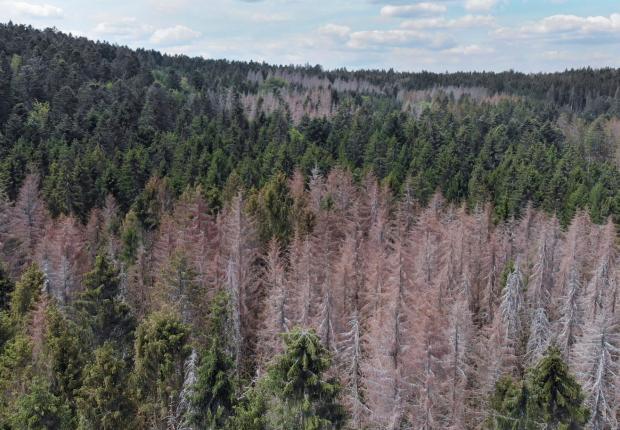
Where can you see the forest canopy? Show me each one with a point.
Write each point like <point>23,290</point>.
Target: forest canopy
<point>94,119</point>
<point>203,244</point>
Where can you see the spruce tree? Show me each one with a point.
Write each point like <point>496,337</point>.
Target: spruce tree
<point>213,394</point>
<point>104,400</point>
<point>549,398</point>
<point>104,311</point>
<point>6,75</point>
<point>65,355</point>
<point>251,412</point>
<point>15,371</point>
<point>6,288</point>
<point>130,237</point>
<point>307,399</point>
<point>161,349</point>
<point>27,291</point>
<point>557,399</point>
<point>508,405</point>
<point>40,409</point>
<point>274,210</point>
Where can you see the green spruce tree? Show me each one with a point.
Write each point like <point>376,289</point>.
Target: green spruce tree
<point>213,394</point>
<point>65,354</point>
<point>548,398</point>
<point>6,288</point>
<point>104,400</point>
<point>108,316</point>
<point>40,409</point>
<point>161,350</point>
<point>556,397</point>
<point>307,400</point>
<point>27,291</point>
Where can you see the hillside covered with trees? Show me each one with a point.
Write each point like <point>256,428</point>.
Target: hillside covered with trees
<point>203,244</point>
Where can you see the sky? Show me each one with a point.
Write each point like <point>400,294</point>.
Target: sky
<point>405,35</point>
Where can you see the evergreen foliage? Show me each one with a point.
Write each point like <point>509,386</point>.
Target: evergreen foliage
<point>6,289</point>
<point>295,393</point>
<point>104,399</point>
<point>213,393</point>
<point>27,291</point>
<point>40,409</point>
<point>108,127</point>
<point>107,315</point>
<point>549,397</point>
<point>161,349</point>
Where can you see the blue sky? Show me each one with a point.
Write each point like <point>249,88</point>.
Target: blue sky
<point>436,35</point>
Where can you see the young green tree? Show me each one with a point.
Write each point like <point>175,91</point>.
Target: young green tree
<point>104,311</point>
<point>104,400</point>
<point>178,287</point>
<point>40,409</point>
<point>65,355</point>
<point>274,207</point>
<point>15,372</point>
<point>557,398</point>
<point>130,236</point>
<point>251,412</point>
<point>5,88</point>
<point>27,291</point>
<point>161,349</point>
<point>306,400</point>
<point>6,288</point>
<point>213,394</point>
<point>549,398</point>
<point>508,406</point>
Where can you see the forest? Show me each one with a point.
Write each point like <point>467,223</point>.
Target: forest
<point>205,244</point>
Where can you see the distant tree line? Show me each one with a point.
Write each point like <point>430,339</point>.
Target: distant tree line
<point>93,119</point>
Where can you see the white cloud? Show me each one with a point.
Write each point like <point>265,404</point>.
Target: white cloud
<point>124,28</point>
<point>373,39</point>
<point>480,5</point>
<point>335,31</point>
<point>424,8</point>
<point>566,27</point>
<point>470,50</point>
<point>168,6</point>
<point>573,23</point>
<point>466,21</point>
<point>174,35</point>
<point>555,55</point>
<point>31,10</point>
<point>266,18</point>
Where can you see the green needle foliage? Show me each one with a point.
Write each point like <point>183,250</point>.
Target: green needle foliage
<point>40,409</point>
<point>104,400</point>
<point>6,289</point>
<point>308,400</point>
<point>214,394</point>
<point>295,393</point>
<point>107,315</point>
<point>556,399</point>
<point>27,291</point>
<point>161,349</point>
<point>66,355</point>
<point>548,398</point>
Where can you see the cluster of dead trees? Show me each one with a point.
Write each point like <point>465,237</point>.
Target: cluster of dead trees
<point>423,309</point>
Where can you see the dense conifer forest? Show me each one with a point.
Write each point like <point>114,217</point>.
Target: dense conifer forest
<point>205,244</point>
